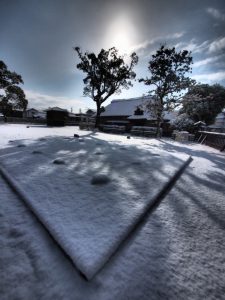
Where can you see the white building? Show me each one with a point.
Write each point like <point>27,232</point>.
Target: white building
<point>126,109</point>
<point>220,120</point>
<point>34,114</point>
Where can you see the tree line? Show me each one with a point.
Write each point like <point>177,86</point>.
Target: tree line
<point>11,94</point>
<point>107,73</point>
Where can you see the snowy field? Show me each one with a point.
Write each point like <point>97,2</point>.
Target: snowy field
<point>176,253</point>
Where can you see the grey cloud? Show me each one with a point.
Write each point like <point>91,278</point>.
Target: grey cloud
<point>215,13</point>
<point>217,45</point>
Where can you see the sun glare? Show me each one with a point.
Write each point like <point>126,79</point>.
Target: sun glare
<point>119,35</point>
<point>121,41</point>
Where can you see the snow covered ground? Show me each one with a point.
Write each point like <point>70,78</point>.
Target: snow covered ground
<point>176,253</point>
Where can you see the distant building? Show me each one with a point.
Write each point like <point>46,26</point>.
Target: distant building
<point>29,113</point>
<point>57,116</point>
<point>90,112</point>
<point>33,113</point>
<point>219,124</point>
<point>220,119</point>
<point>131,111</point>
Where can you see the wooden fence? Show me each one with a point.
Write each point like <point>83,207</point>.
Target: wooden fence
<point>24,120</point>
<point>212,139</point>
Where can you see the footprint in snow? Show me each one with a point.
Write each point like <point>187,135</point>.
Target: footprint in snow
<point>15,233</point>
<point>136,163</point>
<point>21,145</point>
<point>37,152</point>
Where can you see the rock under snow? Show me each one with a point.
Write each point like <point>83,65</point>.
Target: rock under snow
<point>59,161</point>
<point>99,153</point>
<point>100,179</point>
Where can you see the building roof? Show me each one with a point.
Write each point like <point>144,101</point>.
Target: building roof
<point>127,107</point>
<point>56,109</point>
<point>124,107</point>
<point>32,109</point>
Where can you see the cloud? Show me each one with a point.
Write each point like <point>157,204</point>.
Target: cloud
<point>210,47</point>
<point>141,46</point>
<point>215,13</point>
<point>217,45</point>
<point>210,77</point>
<point>147,43</point>
<point>193,46</point>
<point>41,101</point>
<point>208,60</point>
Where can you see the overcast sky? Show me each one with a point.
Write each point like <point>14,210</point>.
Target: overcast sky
<point>37,37</point>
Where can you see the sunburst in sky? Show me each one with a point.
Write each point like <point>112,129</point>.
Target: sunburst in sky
<point>37,40</point>
<point>120,33</point>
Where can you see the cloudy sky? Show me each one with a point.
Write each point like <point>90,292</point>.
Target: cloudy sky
<point>37,37</point>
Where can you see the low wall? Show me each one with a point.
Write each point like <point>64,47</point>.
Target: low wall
<point>212,139</point>
<point>24,120</point>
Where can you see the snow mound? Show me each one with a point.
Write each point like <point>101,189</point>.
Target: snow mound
<point>59,161</point>
<point>100,179</point>
<point>89,222</point>
<point>99,153</point>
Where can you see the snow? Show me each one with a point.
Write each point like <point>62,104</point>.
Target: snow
<point>17,133</point>
<point>61,186</point>
<point>176,253</point>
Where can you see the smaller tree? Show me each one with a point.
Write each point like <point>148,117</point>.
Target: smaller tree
<point>203,102</point>
<point>8,78</point>
<point>12,96</point>
<point>106,74</point>
<point>183,122</point>
<point>168,68</point>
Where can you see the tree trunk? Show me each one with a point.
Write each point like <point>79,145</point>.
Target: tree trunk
<point>158,132</point>
<point>97,119</point>
<point>159,119</point>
